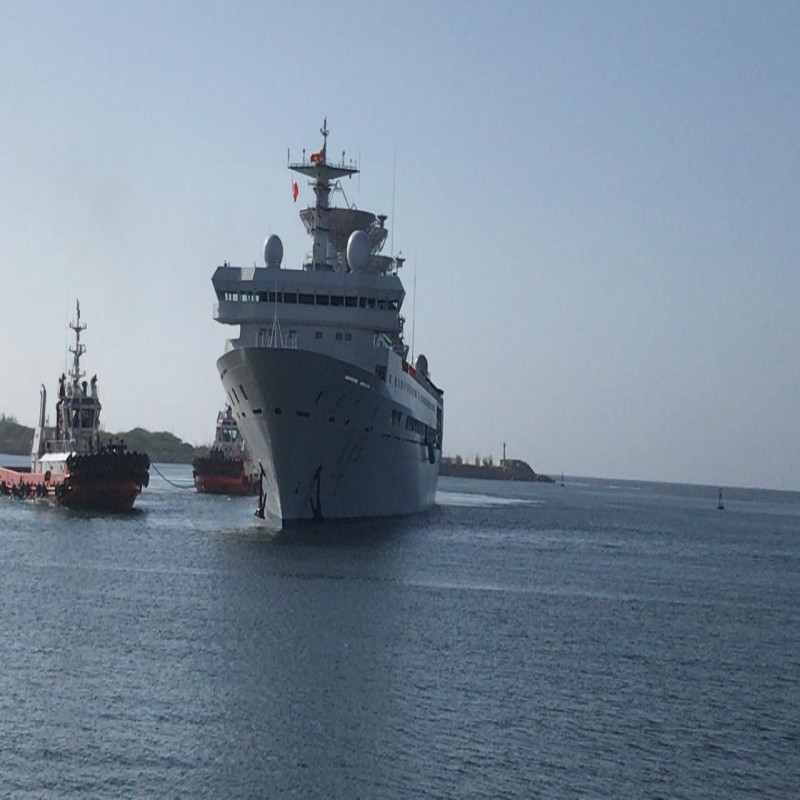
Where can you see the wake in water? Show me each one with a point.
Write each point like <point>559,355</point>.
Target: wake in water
<point>467,500</point>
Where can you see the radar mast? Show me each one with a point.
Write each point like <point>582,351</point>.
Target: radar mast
<point>79,348</point>
<point>322,172</point>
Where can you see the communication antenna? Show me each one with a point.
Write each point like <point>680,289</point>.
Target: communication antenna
<point>65,328</point>
<point>414,309</point>
<point>277,336</point>
<point>394,221</point>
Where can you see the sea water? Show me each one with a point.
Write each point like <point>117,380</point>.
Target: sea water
<point>601,639</point>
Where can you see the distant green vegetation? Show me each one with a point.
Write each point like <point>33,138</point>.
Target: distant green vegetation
<point>160,446</point>
<point>15,439</point>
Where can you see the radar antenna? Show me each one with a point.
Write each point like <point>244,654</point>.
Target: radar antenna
<point>324,131</point>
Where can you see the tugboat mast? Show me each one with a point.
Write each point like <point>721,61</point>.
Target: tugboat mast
<point>79,348</point>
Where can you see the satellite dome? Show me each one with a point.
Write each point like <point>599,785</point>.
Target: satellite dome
<point>421,365</point>
<point>358,251</point>
<point>273,251</point>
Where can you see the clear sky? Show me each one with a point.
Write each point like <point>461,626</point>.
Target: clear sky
<point>600,201</point>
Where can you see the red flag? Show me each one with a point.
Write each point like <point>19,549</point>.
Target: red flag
<point>316,157</point>
<point>294,191</point>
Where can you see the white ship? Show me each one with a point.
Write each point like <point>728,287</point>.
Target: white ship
<point>341,424</point>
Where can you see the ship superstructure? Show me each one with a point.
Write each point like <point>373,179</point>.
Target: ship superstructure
<point>318,379</point>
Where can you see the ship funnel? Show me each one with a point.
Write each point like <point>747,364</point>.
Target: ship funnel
<point>42,405</point>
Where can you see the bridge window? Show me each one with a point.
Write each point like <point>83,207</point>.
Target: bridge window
<point>337,300</point>
<point>290,297</point>
<point>306,299</point>
<point>323,300</point>
<point>350,302</point>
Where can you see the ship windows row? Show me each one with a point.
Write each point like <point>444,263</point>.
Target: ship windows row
<point>267,337</point>
<point>413,425</point>
<point>306,299</point>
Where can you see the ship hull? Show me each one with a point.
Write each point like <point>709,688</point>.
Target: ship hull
<point>106,495</point>
<point>104,481</point>
<point>216,474</point>
<point>100,496</point>
<point>320,428</point>
<point>207,483</point>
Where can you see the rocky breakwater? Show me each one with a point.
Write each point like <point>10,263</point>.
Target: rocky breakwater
<point>510,469</point>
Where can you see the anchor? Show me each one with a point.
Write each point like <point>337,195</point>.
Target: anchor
<point>262,495</point>
<point>316,510</point>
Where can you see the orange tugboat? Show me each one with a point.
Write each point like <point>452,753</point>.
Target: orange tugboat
<point>68,462</point>
<point>227,469</point>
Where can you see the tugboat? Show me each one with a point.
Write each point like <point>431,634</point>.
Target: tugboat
<point>69,464</point>
<point>228,468</point>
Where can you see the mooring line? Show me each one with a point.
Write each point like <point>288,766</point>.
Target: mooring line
<point>172,483</point>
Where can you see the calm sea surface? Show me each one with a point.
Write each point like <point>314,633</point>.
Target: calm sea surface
<point>603,639</point>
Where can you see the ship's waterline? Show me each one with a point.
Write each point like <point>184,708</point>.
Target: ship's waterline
<point>326,429</point>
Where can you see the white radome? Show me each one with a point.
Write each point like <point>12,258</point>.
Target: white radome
<point>273,251</point>
<point>358,251</point>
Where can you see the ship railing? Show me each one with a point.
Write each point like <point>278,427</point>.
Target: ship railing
<point>273,340</point>
<point>276,344</point>
<point>59,446</point>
